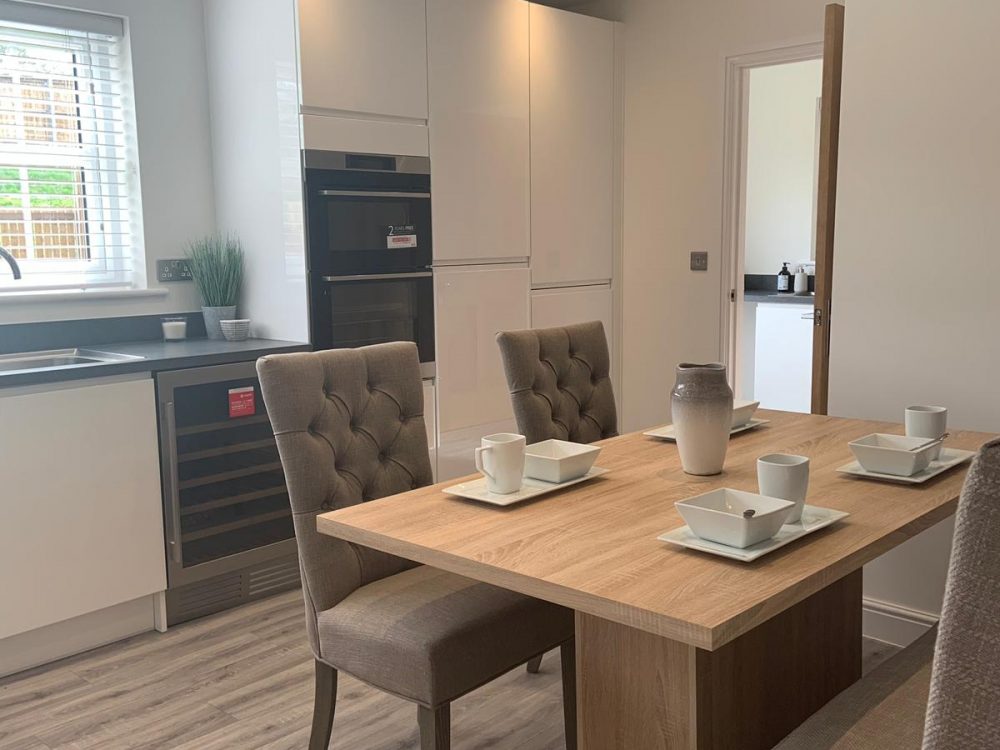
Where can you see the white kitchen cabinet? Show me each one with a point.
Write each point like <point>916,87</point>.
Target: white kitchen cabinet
<point>478,93</point>
<point>367,57</point>
<point>560,307</point>
<point>783,357</point>
<point>471,307</point>
<point>572,147</point>
<point>430,422</point>
<point>82,514</point>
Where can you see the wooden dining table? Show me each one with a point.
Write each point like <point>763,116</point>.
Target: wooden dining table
<point>677,648</point>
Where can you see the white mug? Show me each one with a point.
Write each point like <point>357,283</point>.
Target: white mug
<point>786,477</point>
<point>927,422</point>
<point>501,460</point>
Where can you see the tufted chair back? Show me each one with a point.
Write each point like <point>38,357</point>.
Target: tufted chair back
<point>965,684</point>
<point>559,381</point>
<point>350,428</point>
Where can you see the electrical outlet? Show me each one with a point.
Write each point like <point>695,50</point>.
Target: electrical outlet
<point>173,269</point>
<point>699,261</point>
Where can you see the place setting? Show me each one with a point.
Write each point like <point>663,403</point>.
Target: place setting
<point>913,458</point>
<point>514,472</point>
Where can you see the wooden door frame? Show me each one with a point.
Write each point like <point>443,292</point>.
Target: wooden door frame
<point>826,204</point>
<point>830,50</point>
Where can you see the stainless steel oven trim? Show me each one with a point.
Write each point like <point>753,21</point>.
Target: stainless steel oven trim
<point>380,276</point>
<point>373,194</point>
<point>322,159</point>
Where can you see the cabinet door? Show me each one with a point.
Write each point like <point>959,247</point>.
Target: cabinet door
<point>478,79</point>
<point>82,527</point>
<point>560,307</point>
<point>472,306</point>
<point>783,357</point>
<point>572,146</point>
<point>364,56</point>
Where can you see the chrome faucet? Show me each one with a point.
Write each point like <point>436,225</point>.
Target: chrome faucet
<point>12,262</point>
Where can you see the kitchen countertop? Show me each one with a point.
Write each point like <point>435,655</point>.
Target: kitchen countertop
<point>157,356</point>
<point>781,299</point>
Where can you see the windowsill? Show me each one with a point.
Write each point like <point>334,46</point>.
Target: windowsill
<point>10,297</point>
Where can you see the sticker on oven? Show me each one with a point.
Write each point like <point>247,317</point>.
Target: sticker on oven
<point>400,236</point>
<point>242,402</point>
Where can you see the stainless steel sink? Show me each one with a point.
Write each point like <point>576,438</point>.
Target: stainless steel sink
<point>59,358</point>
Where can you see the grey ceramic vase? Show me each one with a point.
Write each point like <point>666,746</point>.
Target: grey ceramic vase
<point>702,407</point>
<point>212,317</point>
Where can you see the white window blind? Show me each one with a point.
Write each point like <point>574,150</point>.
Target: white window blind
<point>68,187</point>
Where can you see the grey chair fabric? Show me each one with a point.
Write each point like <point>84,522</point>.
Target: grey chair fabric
<point>883,710</point>
<point>430,636</point>
<point>560,383</point>
<point>349,427</point>
<point>964,707</point>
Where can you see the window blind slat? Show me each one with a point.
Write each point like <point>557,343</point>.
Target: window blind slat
<point>62,18</point>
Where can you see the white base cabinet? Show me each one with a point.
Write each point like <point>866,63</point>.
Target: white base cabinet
<point>82,516</point>
<point>783,357</point>
<point>581,304</point>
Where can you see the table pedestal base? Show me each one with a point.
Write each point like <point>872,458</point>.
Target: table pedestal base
<point>639,691</point>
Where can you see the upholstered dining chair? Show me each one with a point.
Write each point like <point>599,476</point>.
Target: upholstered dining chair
<point>349,426</point>
<point>560,382</point>
<point>889,707</point>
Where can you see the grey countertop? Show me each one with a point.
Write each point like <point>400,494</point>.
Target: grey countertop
<point>157,356</point>
<point>781,299</point>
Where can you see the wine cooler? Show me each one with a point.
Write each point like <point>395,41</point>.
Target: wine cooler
<point>227,520</point>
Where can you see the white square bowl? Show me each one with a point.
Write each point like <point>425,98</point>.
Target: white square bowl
<point>718,516</point>
<point>743,412</point>
<point>892,454</point>
<point>558,460</point>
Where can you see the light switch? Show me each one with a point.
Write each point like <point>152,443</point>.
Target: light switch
<point>699,261</point>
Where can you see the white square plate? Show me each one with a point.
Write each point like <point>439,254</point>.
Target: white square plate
<point>667,431</point>
<point>476,489</point>
<point>813,519</point>
<point>950,458</point>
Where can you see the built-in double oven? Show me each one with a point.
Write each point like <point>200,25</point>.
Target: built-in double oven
<point>368,229</point>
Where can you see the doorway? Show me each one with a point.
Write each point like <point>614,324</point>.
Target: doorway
<point>782,114</point>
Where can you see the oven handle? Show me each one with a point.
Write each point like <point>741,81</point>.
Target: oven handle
<point>374,194</point>
<point>381,276</point>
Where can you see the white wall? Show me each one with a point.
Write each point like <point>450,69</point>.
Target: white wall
<point>255,146</point>
<point>916,261</point>
<point>781,165</point>
<point>675,56</point>
<point>175,158</point>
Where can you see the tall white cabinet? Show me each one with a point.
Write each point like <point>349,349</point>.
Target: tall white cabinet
<point>471,305</point>
<point>477,62</point>
<point>572,148</point>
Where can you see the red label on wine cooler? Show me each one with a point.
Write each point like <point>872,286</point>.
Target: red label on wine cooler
<point>242,402</point>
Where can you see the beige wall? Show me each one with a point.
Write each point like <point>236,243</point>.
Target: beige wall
<point>781,165</point>
<point>916,263</point>
<point>675,56</point>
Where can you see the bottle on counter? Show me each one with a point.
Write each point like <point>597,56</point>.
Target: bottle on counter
<point>801,281</point>
<point>784,279</point>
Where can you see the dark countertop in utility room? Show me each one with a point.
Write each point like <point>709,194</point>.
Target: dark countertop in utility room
<point>782,299</point>
<point>157,356</point>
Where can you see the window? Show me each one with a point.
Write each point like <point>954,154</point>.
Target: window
<point>68,186</point>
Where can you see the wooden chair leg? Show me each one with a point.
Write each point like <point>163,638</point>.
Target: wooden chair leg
<point>535,664</point>
<point>567,657</point>
<point>435,727</point>
<point>324,705</point>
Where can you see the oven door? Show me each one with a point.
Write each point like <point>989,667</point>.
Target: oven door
<point>354,231</point>
<point>352,311</point>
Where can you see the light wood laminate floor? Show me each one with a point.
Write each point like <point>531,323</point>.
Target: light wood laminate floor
<point>242,680</point>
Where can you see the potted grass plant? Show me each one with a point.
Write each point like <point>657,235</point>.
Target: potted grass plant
<point>216,264</point>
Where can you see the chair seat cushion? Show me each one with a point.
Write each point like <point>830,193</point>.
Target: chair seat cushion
<point>884,709</point>
<point>430,636</point>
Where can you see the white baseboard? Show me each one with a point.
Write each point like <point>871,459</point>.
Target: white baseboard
<point>73,636</point>
<point>894,624</point>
